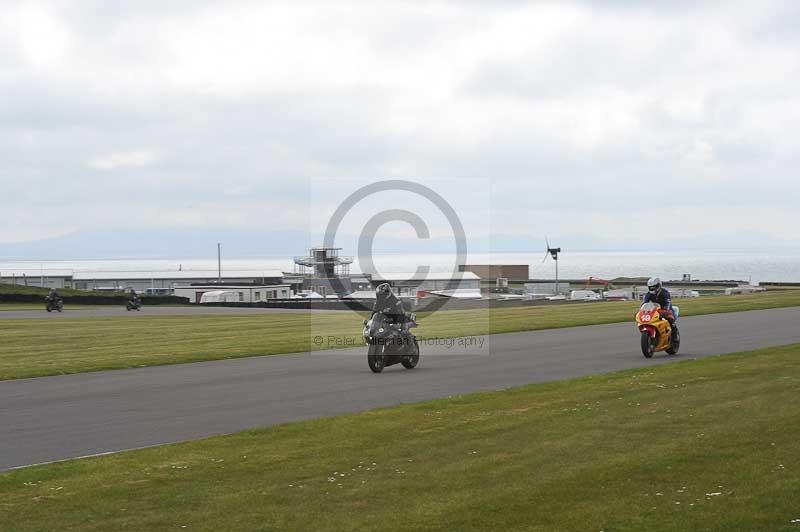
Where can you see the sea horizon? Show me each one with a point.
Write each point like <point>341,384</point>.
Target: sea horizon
<point>768,266</point>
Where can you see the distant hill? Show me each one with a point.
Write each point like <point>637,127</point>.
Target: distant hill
<point>198,243</point>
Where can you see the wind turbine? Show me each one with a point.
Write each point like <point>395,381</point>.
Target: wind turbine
<point>553,252</point>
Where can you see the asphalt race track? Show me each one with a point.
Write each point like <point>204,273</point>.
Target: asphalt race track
<point>53,418</point>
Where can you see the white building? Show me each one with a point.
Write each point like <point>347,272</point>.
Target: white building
<point>241,294</point>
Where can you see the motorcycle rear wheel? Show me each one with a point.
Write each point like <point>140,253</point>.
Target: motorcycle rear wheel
<point>648,345</point>
<point>375,358</point>
<point>676,345</point>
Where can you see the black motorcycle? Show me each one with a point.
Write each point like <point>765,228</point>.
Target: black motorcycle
<point>134,304</point>
<point>54,304</point>
<point>390,341</point>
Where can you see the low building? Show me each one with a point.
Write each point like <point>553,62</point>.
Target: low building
<point>448,284</point>
<point>141,280</point>
<point>515,272</point>
<point>328,286</point>
<point>45,279</point>
<point>543,289</point>
<point>243,294</point>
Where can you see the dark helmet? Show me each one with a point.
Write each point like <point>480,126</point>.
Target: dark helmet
<point>654,285</point>
<point>383,290</point>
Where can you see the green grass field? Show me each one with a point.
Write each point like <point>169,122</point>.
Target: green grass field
<point>706,445</point>
<point>41,346</point>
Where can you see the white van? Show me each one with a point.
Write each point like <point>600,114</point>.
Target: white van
<point>220,296</point>
<point>584,295</point>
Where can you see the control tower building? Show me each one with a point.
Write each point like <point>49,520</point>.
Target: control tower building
<point>325,271</point>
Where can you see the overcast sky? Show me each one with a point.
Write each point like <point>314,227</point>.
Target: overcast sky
<point>599,119</point>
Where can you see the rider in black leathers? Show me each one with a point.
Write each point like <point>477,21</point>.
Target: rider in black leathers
<point>388,303</point>
<point>133,297</point>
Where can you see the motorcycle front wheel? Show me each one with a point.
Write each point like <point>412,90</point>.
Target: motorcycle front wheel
<point>375,358</point>
<point>648,345</point>
<point>411,361</point>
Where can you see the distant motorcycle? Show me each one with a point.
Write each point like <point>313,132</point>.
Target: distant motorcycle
<point>655,331</point>
<point>134,304</point>
<point>52,305</point>
<point>389,342</point>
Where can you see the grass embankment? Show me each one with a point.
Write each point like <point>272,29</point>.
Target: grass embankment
<point>37,347</point>
<point>706,445</point>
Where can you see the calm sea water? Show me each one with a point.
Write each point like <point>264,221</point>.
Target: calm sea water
<point>762,266</point>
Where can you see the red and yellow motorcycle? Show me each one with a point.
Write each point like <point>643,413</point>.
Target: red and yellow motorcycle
<point>656,332</point>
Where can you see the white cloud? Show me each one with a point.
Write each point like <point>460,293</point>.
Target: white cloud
<point>134,158</point>
<point>234,106</point>
<point>42,37</point>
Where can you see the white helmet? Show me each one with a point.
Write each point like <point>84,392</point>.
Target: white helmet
<point>654,285</point>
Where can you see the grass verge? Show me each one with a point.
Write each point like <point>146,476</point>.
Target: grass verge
<point>37,347</point>
<point>706,445</point>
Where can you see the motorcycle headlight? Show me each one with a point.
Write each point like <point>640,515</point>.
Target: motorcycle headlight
<point>380,330</point>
